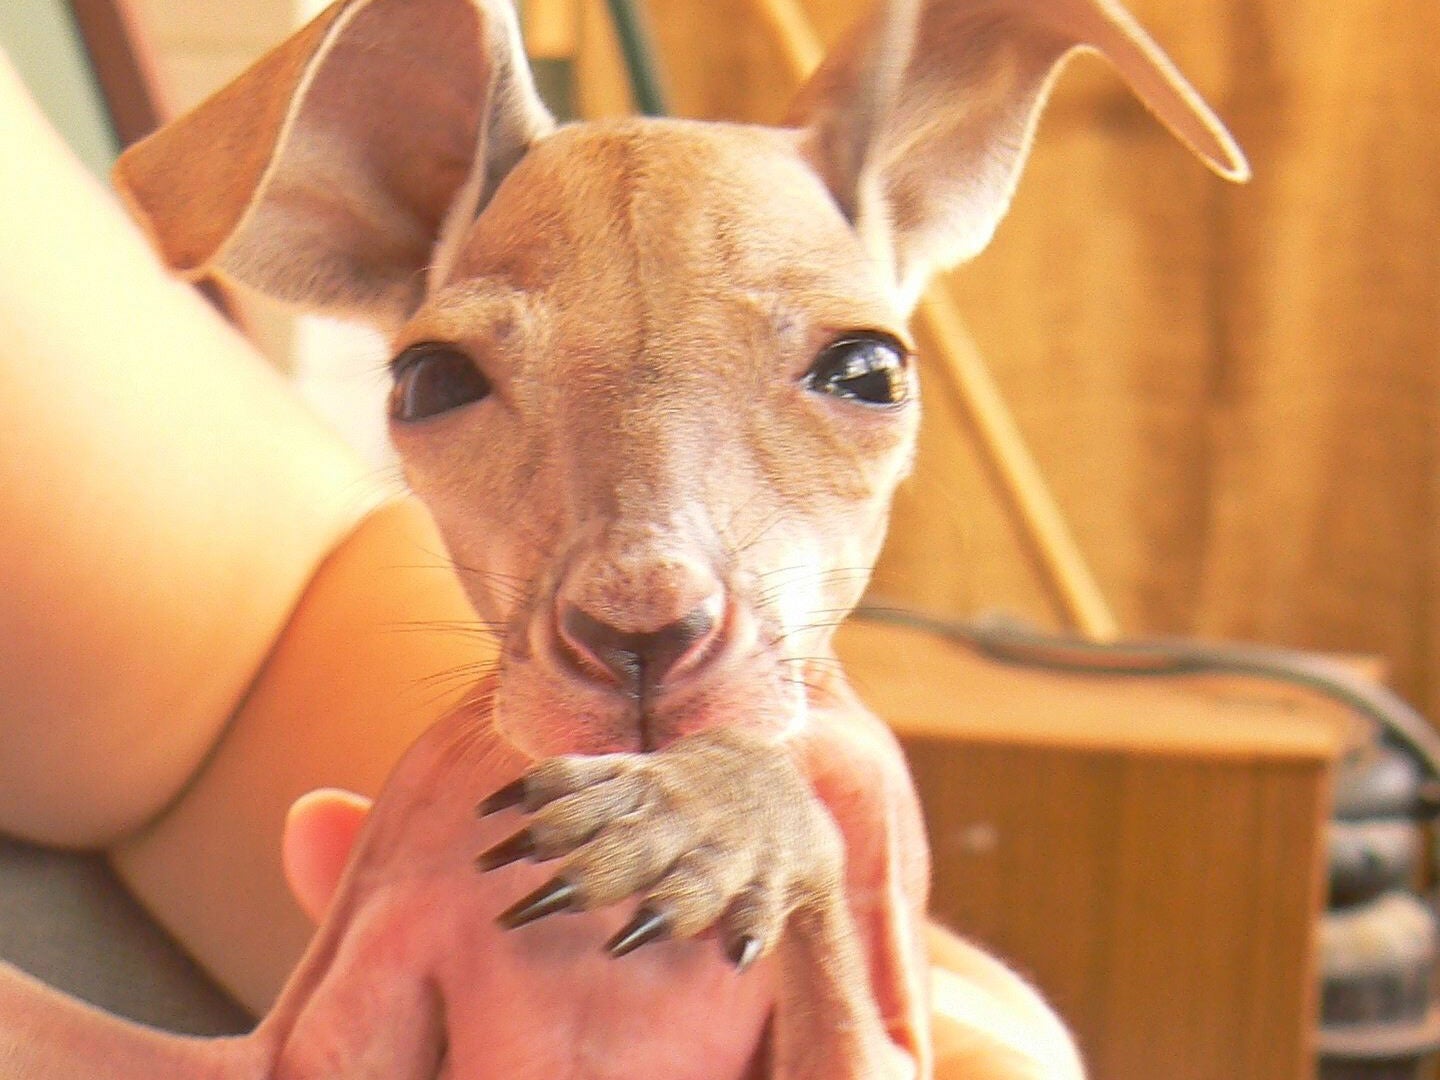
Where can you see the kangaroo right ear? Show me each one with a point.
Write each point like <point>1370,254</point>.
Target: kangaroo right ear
<point>346,163</point>
<point>920,120</point>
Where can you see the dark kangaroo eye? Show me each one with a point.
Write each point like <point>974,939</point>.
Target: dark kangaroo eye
<point>870,370</point>
<point>431,379</point>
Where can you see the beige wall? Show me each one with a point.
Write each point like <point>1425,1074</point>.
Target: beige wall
<point>202,43</point>
<point>41,41</point>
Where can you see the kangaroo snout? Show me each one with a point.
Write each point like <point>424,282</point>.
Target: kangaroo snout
<point>641,658</point>
<point>644,634</point>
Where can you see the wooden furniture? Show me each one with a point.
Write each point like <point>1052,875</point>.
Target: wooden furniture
<point>123,65</point>
<point>1150,853</point>
<point>131,91</point>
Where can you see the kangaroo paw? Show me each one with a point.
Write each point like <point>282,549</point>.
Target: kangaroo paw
<point>720,830</point>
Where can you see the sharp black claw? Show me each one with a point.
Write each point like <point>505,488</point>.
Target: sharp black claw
<point>557,894</point>
<point>744,951</point>
<point>512,794</point>
<point>520,846</point>
<point>649,924</point>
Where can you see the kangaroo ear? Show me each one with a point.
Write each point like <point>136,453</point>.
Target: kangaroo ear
<point>920,120</point>
<point>347,162</point>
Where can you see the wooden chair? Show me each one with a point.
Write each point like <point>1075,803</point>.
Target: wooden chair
<point>124,67</point>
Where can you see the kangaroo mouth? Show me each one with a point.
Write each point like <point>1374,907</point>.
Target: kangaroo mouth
<point>544,709</point>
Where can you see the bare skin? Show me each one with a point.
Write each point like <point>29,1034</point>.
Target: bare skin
<point>652,380</point>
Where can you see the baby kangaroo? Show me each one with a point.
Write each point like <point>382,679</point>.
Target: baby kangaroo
<point>654,382</point>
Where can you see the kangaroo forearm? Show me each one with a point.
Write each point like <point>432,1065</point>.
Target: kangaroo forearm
<point>827,1023</point>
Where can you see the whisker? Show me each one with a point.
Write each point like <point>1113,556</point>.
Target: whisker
<point>511,588</point>
<point>813,690</point>
<point>361,489</point>
<point>759,533</point>
<point>492,631</point>
<point>819,663</point>
<point>781,639</point>
<point>442,684</point>
<point>767,598</point>
<point>802,572</point>
<point>452,675</point>
<point>496,575</point>
<point>500,584</point>
<point>770,595</point>
<point>727,528</point>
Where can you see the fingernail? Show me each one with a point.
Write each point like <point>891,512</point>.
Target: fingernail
<point>555,895</point>
<point>744,952</point>
<point>517,847</point>
<point>648,925</point>
<point>512,794</point>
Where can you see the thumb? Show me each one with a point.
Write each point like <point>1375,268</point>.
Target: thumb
<point>320,833</point>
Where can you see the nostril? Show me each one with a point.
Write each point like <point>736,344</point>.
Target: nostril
<point>638,661</point>
<point>600,647</point>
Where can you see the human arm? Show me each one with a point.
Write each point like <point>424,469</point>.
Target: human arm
<point>167,509</point>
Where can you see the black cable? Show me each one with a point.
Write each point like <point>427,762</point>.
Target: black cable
<point>639,57</point>
<point>1011,643</point>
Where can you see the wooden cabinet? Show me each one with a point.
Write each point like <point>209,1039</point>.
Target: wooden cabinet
<point>1150,853</point>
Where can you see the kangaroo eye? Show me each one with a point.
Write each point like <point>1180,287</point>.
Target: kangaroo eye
<point>431,379</point>
<point>870,370</point>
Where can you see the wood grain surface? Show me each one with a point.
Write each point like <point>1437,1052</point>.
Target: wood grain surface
<point>1149,852</point>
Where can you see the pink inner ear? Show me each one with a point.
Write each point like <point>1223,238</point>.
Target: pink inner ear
<point>940,134</point>
<point>324,174</point>
<point>320,833</point>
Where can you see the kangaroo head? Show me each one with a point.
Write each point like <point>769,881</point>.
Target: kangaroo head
<point>651,377</point>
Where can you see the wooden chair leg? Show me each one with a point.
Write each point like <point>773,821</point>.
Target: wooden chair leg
<point>123,65</point>
<point>1052,547</point>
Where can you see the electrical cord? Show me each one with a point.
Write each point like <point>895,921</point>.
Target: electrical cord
<point>1010,642</point>
<point>639,56</point>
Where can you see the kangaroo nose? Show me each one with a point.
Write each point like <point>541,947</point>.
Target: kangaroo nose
<point>639,661</point>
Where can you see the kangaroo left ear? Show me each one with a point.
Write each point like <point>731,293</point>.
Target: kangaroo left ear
<point>339,170</point>
<point>921,119</point>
